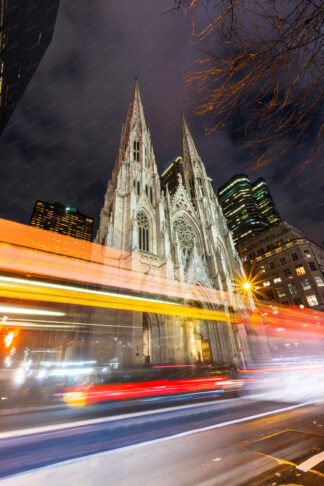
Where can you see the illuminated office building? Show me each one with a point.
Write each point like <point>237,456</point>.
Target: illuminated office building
<point>60,219</point>
<point>26,30</point>
<point>265,203</point>
<point>289,266</point>
<point>248,207</point>
<point>170,177</point>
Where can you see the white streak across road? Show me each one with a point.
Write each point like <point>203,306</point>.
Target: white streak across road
<point>83,423</point>
<point>35,440</point>
<point>311,462</point>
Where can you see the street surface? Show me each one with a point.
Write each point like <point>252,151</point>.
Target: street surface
<point>240,441</point>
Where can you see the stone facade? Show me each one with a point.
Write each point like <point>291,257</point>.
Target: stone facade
<point>183,237</point>
<point>290,267</point>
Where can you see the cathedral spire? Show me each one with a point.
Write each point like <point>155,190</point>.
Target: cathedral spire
<point>189,151</point>
<point>135,115</point>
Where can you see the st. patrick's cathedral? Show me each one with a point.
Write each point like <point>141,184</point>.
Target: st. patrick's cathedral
<point>180,235</point>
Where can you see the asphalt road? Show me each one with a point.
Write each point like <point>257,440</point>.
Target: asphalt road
<point>227,442</point>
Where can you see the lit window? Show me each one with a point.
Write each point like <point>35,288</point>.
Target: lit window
<point>281,292</point>
<point>294,256</point>
<point>312,266</point>
<point>312,300</point>
<point>300,270</point>
<point>319,281</point>
<point>292,289</point>
<point>306,284</point>
<point>143,232</point>
<point>307,253</point>
<point>277,280</point>
<point>266,284</point>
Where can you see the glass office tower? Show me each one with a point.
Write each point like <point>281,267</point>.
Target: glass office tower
<point>265,203</point>
<point>248,207</point>
<point>169,178</point>
<point>26,30</point>
<point>60,219</point>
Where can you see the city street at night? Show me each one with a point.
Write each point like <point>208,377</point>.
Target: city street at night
<point>161,243</point>
<point>235,441</point>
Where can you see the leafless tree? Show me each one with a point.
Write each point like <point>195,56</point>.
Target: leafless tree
<point>261,65</point>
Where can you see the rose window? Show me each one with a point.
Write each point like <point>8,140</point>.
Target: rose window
<point>185,233</point>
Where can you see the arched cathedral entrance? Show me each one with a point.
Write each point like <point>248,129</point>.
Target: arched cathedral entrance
<point>152,351</point>
<point>196,342</point>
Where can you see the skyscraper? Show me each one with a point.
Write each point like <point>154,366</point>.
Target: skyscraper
<point>26,30</point>
<point>248,207</point>
<point>60,219</point>
<point>169,178</point>
<point>265,203</point>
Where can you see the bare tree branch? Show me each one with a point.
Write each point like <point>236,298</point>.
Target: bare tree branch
<point>262,61</point>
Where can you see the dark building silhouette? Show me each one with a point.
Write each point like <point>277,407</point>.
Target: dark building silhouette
<point>60,219</point>
<point>26,30</point>
<point>248,207</point>
<point>169,178</point>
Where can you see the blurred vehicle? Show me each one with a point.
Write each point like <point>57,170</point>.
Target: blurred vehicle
<point>155,381</point>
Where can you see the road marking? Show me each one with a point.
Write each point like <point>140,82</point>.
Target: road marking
<point>162,439</point>
<point>311,462</point>
<point>82,423</point>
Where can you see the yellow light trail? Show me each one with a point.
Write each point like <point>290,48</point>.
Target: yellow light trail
<point>47,292</point>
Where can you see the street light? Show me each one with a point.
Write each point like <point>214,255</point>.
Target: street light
<point>247,285</point>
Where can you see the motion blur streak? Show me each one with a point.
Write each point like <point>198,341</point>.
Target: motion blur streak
<point>23,250</point>
<point>71,295</point>
<point>37,253</point>
<point>147,388</point>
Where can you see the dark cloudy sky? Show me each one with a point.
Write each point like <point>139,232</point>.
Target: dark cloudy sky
<point>62,140</point>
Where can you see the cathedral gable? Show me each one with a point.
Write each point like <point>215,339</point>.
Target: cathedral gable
<point>181,201</point>
<point>196,270</point>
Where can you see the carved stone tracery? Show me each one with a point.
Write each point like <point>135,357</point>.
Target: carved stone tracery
<point>185,233</point>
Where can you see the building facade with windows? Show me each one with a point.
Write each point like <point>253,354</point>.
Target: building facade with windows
<point>180,235</point>
<point>248,207</point>
<point>290,267</point>
<point>26,30</point>
<point>61,219</point>
<point>170,177</point>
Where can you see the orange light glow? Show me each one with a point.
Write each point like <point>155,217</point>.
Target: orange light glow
<point>9,338</point>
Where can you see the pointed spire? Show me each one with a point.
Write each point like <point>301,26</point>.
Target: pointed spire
<point>135,110</point>
<point>189,150</point>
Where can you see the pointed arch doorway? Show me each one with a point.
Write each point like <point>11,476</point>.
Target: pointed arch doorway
<point>196,341</point>
<point>152,346</point>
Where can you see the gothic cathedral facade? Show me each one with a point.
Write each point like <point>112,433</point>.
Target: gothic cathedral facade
<point>182,237</point>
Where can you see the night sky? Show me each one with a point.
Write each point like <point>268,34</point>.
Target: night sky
<point>61,143</point>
